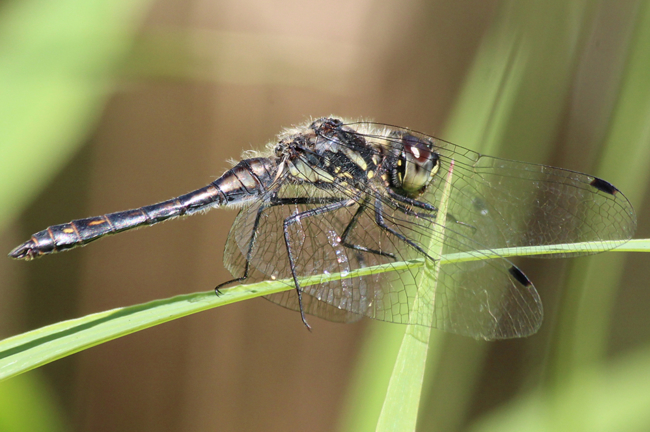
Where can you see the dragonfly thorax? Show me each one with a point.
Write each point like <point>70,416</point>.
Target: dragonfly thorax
<point>325,154</point>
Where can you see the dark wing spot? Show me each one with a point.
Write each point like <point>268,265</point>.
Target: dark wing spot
<point>520,276</point>
<point>604,186</point>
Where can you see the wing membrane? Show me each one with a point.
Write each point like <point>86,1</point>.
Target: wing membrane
<point>516,204</point>
<point>478,299</point>
<point>494,203</point>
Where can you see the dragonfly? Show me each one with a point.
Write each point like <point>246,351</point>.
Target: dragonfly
<point>341,199</point>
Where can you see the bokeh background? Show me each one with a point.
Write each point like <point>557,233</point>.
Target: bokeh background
<point>109,105</point>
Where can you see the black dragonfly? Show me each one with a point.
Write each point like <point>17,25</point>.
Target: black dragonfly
<point>339,199</point>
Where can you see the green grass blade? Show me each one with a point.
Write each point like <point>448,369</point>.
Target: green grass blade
<point>400,409</point>
<point>512,104</point>
<point>30,350</point>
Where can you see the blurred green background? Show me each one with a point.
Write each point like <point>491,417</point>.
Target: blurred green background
<point>109,105</point>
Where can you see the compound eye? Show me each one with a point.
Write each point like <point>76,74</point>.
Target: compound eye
<point>419,152</point>
<point>419,164</point>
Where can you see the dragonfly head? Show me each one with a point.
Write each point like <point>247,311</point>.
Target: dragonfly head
<point>414,164</point>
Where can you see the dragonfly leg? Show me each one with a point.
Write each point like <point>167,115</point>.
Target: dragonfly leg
<point>379,220</point>
<point>275,201</point>
<point>332,206</point>
<point>411,201</point>
<point>248,253</point>
<point>425,206</point>
<point>353,222</point>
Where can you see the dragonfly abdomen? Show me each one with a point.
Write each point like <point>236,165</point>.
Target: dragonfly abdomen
<point>245,181</point>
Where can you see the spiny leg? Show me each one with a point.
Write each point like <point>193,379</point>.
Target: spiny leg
<point>333,206</point>
<point>327,200</point>
<point>425,206</point>
<point>353,222</point>
<point>411,201</point>
<point>248,252</point>
<point>379,220</point>
<point>275,201</point>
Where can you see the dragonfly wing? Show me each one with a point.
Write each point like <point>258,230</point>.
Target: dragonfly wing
<point>511,204</point>
<point>490,300</point>
<point>257,236</point>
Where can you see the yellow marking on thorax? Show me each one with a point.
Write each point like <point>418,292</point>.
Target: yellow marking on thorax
<point>355,158</point>
<point>309,173</point>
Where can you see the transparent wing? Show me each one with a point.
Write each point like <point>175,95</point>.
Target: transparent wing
<point>494,203</point>
<point>514,204</point>
<point>490,300</point>
<point>257,238</point>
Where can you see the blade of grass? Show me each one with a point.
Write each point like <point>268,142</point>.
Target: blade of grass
<point>628,145</point>
<point>511,104</point>
<point>400,409</point>
<point>30,350</point>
